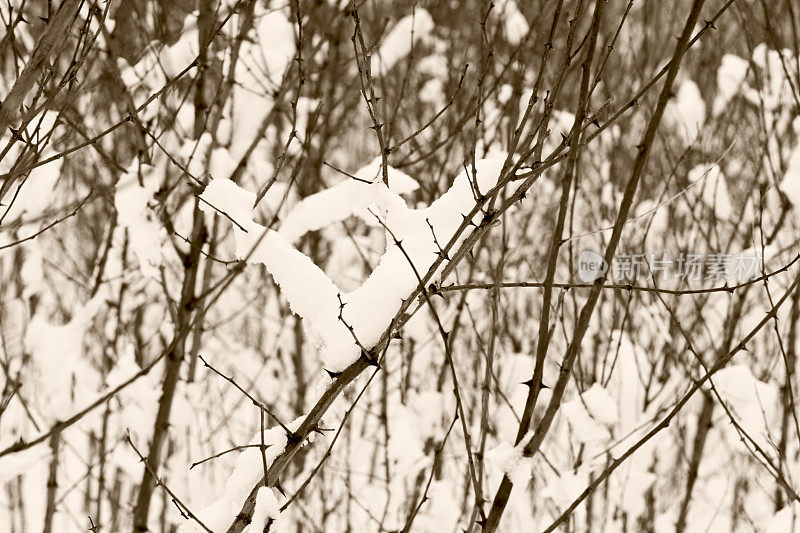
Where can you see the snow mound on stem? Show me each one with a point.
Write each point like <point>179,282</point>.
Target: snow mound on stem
<point>342,324</point>
<point>347,198</point>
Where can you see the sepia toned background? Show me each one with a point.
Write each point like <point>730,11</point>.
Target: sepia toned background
<point>313,265</point>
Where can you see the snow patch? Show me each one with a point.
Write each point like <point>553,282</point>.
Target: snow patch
<point>687,111</point>
<point>510,460</point>
<point>131,200</point>
<point>590,414</point>
<point>730,76</point>
<point>403,36</point>
<point>715,189</point>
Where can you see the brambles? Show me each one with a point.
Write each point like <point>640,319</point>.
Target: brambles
<point>334,266</point>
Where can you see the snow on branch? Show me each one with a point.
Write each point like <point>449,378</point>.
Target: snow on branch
<point>368,310</point>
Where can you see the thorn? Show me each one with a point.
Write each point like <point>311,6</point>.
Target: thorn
<point>333,375</point>
<point>376,127</point>
<point>370,359</point>
<point>710,24</point>
<point>529,384</point>
<point>596,122</point>
<point>15,133</point>
<point>280,489</point>
<point>46,20</point>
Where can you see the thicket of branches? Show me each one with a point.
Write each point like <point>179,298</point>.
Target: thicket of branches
<point>172,359</point>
